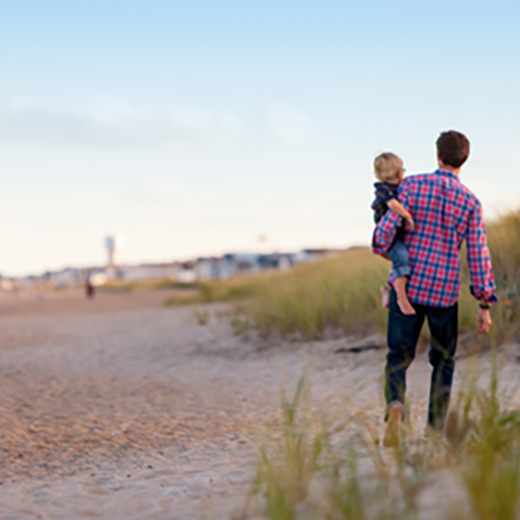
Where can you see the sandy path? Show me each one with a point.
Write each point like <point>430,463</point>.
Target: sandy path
<point>73,301</point>
<point>145,414</point>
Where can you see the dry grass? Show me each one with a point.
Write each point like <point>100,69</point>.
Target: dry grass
<point>117,285</point>
<point>321,469</point>
<point>341,292</point>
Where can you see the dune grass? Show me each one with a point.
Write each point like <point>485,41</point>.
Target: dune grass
<point>234,289</point>
<point>323,466</point>
<point>117,285</point>
<point>319,468</point>
<point>341,292</point>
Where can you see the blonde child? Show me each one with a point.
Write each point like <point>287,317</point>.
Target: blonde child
<point>389,171</point>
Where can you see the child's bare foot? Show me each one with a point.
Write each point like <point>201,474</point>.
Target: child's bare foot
<point>405,306</point>
<point>392,436</point>
<point>385,296</point>
<point>402,297</point>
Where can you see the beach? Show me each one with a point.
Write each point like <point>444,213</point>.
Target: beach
<point>120,407</point>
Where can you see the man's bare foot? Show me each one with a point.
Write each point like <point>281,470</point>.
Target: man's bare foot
<point>385,296</point>
<point>405,306</point>
<point>392,436</point>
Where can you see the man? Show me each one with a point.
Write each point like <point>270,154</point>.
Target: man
<point>446,213</point>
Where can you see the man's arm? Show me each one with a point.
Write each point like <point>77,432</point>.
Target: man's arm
<point>479,264</point>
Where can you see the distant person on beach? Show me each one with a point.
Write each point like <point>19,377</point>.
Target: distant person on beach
<point>445,213</point>
<point>389,170</point>
<point>90,289</point>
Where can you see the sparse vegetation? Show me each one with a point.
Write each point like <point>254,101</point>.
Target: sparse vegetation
<point>338,292</point>
<point>202,316</point>
<point>316,467</point>
<point>342,292</point>
<point>233,289</point>
<point>118,285</point>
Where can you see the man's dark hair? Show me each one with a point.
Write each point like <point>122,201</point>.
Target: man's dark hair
<point>453,148</point>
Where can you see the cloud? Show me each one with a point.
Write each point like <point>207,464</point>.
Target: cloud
<point>116,124</point>
<point>290,125</point>
<point>113,123</point>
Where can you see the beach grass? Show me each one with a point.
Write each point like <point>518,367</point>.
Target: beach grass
<point>315,466</point>
<point>117,285</point>
<point>322,468</point>
<point>233,289</point>
<point>340,293</point>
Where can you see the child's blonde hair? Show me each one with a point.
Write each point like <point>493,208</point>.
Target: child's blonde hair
<point>387,165</point>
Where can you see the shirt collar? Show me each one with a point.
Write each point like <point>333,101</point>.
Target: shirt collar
<point>446,173</point>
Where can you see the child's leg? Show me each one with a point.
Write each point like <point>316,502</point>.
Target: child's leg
<point>402,298</point>
<point>401,271</point>
<point>385,296</point>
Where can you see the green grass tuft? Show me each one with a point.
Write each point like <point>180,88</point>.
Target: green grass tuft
<point>314,467</point>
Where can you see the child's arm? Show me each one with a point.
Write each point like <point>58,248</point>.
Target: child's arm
<point>399,209</point>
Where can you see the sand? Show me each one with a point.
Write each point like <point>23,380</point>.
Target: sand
<point>122,408</point>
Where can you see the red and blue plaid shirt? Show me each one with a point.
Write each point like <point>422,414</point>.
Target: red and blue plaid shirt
<point>445,213</point>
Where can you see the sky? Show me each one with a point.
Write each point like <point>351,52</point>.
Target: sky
<point>194,128</point>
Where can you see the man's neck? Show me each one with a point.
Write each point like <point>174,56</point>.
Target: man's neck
<point>446,167</point>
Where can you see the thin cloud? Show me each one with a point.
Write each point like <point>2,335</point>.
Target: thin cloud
<point>116,124</point>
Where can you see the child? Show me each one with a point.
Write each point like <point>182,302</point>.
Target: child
<point>389,170</point>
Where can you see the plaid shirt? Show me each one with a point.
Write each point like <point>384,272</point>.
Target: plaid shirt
<point>445,213</point>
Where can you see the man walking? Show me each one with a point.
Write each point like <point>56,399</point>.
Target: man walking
<point>446,213</point>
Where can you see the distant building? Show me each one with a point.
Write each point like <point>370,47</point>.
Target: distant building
<point>311,255</point>
<point>111,247</point>
<point>240,264</point>
<point>210,268</point>
<point>203,268</point>
<point>150,272</point>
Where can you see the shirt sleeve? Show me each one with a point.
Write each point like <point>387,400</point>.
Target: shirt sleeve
<point>386,229</point>
<point>479,259</point>
<point>384,193</point>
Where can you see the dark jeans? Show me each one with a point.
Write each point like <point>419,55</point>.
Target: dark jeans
<point>403,334</point>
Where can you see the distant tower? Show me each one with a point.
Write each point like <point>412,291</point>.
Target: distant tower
<point>111,245</point>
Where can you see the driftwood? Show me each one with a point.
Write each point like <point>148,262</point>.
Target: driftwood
<point>359,348</point>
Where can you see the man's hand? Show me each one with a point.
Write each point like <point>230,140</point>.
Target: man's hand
<point>484,321</point>
<point>409,224</point>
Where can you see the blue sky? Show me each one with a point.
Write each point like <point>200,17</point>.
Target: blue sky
<point>192,128</point>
